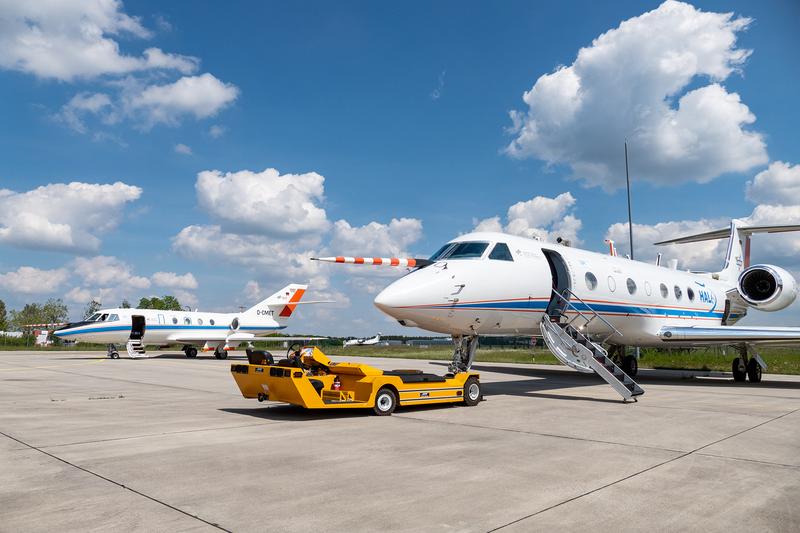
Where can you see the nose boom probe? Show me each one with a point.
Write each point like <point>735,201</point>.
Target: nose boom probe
<point>409,262</point>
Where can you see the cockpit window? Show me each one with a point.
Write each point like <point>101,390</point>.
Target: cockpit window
<point>112,318</point>
<point>440,253</point>
<point>462,250</point>
<point>93,318</point>
<point>501,252</point>
<point>103,317</point>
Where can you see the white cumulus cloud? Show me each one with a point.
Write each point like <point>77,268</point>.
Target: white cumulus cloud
<point>63,216</point>
<point>182,149</point>
<point>632,82</point>
<point>264,202</point>
<point>106,271</point>
<point>375,238</point>
<point>173,280</point>
<point>200,96</point>
<point>540,218</point>
<point>777,185</point>
<point>64,40</point>
<point>31,280</point>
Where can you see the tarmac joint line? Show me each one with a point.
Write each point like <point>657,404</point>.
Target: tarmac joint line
<point>118,484</point>
<point>649,468</point>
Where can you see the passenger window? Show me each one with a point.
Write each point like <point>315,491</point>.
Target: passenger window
<point>501,252</point>
<point>211,321</point>
<point>631,286</point>
<point>690,293</point>
<point>664,291</point>
<point>174,320</point>
<point>199,321</point>
<point>678,293</point>
<point>187,321</point>
<point>612,284</point>
<point>591,281</point>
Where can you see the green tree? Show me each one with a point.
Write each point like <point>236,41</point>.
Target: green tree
<point>3,317</point>
<point>171,303</point>
<point>90,309</point>
<point>55,311</point>
<point>167,303</point>
<point>125,304</point>
<point>29,314</point>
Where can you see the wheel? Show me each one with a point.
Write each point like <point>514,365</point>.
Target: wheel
<point>630,365</point>
<point>191,352</point>
<point>753,371</point>
<point>385,402</point>
<point>472,391</point>
<point>114,355</point>
<point>738,369</point>
<point>221,354</point>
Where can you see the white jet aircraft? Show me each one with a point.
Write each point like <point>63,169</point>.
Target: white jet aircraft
<point>587,305</point>
<point>217,332</point>
<point>362,342</point>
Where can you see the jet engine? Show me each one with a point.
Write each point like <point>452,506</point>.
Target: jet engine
<point>767,287</point>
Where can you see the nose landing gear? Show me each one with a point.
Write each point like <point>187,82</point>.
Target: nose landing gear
<point>463,353</point>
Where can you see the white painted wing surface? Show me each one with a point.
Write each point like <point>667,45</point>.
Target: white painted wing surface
<point>729,334</point>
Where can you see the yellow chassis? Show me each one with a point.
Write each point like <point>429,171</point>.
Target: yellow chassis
<point>359,383</point>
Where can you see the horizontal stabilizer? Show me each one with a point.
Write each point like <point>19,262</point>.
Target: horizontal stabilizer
<point>726,232</point>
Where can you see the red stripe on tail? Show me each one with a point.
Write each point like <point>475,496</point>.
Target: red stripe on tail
<point>289,309</point>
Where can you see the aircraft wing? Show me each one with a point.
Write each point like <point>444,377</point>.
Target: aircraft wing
<point>190,338</point>
<point>729,335</point>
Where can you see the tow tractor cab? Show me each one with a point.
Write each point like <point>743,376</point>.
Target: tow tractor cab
<point>307,377</point>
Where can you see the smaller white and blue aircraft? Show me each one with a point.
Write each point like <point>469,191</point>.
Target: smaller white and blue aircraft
<point>217,332</point>
<point>362,342</point>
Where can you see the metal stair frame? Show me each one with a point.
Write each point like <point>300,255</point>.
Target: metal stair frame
<point>135,349</point>
<point>576,350</point>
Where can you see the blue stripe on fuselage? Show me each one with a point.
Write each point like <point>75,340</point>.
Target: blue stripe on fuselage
<point>162,327</point>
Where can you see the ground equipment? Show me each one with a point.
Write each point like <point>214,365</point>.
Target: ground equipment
<point>307,377</point>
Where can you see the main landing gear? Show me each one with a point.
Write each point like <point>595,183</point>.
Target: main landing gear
<point>112,352</point>
<point>190,351</point>
<point>744,368</point>
<point>628,363</point>
<point>219,353</point>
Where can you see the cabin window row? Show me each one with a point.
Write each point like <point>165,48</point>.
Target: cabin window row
<point>188,321</point>
<point>591,284</point>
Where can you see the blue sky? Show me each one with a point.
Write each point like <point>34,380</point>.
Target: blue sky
<point>404,109</point>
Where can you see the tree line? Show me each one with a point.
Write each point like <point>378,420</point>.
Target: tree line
<point>55,311</point>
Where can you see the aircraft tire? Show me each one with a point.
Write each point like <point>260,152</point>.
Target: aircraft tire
<point>630,365</point>
<point>739,374</point>
<point>191,352</point>
<point>753,371</point>
<point>114,355</point>
<point>385,402</point>
<point>472,392</point>
<point>221,354</point>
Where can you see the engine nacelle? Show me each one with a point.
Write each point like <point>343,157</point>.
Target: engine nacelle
<point>767,287</point>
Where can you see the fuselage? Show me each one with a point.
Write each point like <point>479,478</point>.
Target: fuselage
<point>486,289</point>
<point>114,326</point>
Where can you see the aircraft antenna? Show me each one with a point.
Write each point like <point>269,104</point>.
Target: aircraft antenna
<point>628,181</point>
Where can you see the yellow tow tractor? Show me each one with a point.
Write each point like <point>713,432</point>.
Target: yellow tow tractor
<point>307,377</point>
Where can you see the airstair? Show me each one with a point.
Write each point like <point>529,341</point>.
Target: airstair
<point>573,347</point>
<point>135,349</point>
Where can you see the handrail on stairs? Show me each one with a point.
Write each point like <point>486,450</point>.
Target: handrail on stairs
<point>595,314</point>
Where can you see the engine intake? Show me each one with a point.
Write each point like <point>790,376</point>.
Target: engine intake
<point>767,287</point>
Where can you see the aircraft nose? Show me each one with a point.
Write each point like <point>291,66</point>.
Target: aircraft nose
<point>387,299</point>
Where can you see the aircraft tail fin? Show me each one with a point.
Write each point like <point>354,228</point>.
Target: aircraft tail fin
<point>280,305</point>
<point>738,256</point>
